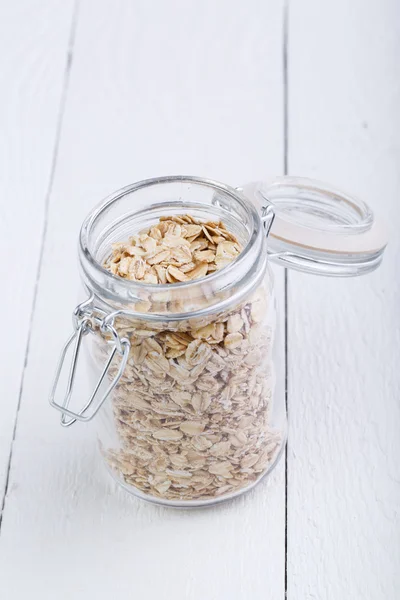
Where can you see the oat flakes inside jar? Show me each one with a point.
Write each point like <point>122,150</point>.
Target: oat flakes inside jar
<point>180,320</point>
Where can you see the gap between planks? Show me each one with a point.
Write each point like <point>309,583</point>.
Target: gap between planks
<point>285,64</point>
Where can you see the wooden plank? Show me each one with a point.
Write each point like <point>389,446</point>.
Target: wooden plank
<point>33,47</point>
<point>343,484</point>
<point>155,89</point>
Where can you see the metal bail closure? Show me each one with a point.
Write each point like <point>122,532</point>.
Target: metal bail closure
<point>120,346</point>
<point>315,228</point>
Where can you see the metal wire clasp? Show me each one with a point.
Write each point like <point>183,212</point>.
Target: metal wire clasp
<point>267,217</point>
<point>85,316</point>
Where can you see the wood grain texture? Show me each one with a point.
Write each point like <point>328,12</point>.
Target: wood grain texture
<point>344,384</point>
<point>156,88</point>
<point>33,47</point>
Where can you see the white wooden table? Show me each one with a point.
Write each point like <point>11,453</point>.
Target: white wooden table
<point>101,93</point>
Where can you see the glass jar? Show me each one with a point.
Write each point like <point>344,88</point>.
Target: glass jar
<point>186,388</point>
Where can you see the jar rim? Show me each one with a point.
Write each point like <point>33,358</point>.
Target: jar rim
<point>88,260</point>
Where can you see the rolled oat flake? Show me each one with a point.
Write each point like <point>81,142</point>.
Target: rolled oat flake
<point>179,325</point>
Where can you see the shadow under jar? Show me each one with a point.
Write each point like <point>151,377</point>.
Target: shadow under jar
<point>188,376</point>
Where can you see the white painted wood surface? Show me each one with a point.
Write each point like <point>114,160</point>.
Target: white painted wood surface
<point>344,363</point>
<point>177,87</point>
<point>33,50</point>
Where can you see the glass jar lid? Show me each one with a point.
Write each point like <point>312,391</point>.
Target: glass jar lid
<point>317,228</point>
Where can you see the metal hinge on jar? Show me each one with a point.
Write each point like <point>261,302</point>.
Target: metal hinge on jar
<point>86,319</point>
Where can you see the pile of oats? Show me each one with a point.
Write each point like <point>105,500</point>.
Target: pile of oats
<point>177,249</point>
<point>192,410</point>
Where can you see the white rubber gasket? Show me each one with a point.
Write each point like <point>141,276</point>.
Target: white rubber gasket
<point>369,242</point>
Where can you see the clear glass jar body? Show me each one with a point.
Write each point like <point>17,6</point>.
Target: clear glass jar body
<point>197,416</point>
